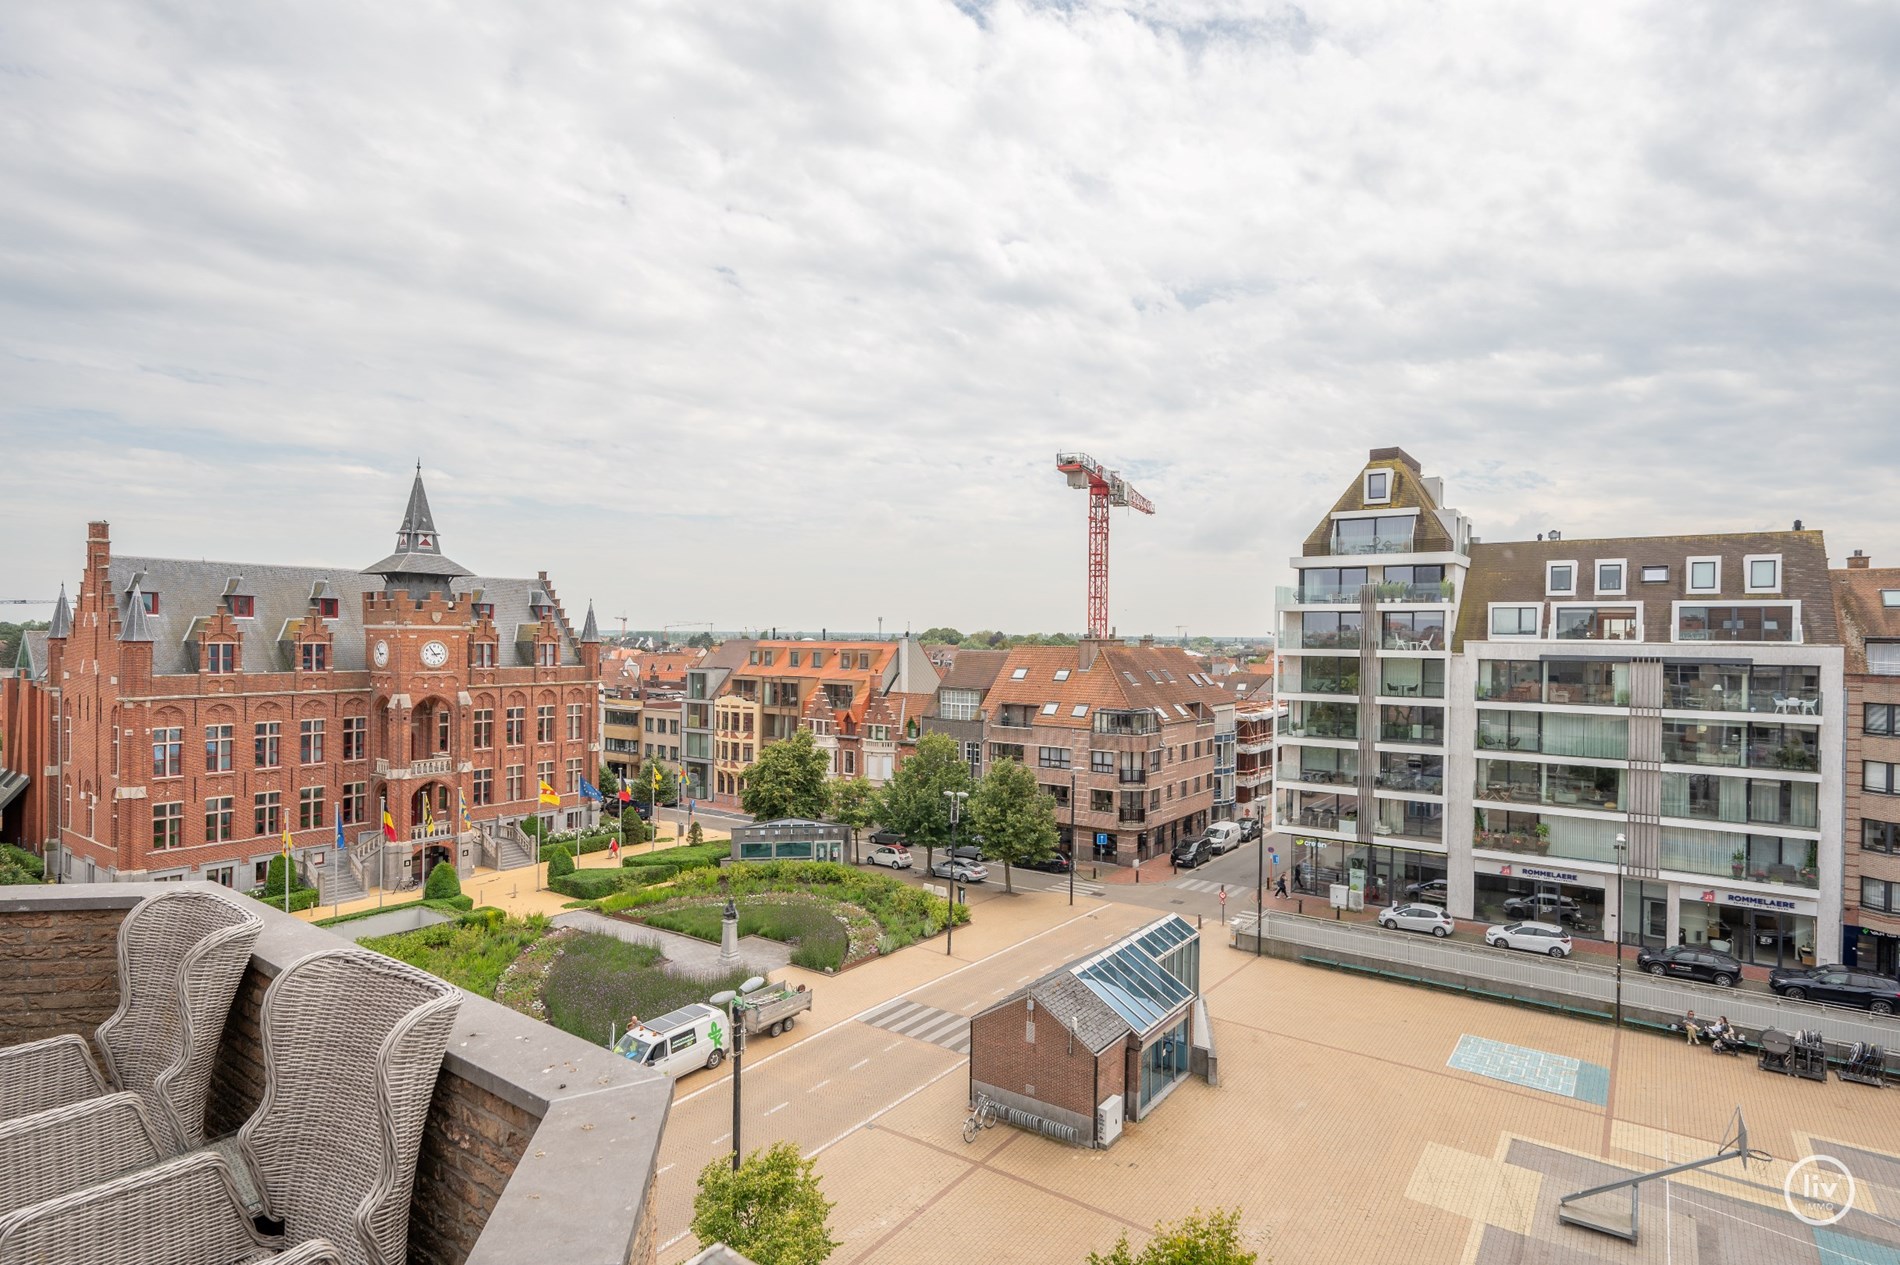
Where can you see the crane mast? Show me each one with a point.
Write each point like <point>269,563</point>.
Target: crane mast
<point>1107,490</point>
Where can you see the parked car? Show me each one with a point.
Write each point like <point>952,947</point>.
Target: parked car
<point>1544,905</point>
<point>679,1041</point>
<point>959,871</point>
<point>1190,853</point>
<point>1418,918</point>
<point>1054,864</point>
<point>1532,937</point>
<point>1688,961</point>
<point>1249,829</point>
<point>1223,836</point>
<point>1431,889</point>
<point>890,838</point>
<point>1839,986</point>
<point>971,852</point>
<point>886,855</point>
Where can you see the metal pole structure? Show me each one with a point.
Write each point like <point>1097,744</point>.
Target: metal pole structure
<point>956,799</point>
<point>1260,894</point>
<point>1072,836</point>
<point>1621,845</point>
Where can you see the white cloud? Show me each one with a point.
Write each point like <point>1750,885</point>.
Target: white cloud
<point>777,313</point>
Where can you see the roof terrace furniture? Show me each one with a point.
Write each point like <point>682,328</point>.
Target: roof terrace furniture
<point>181,955</point>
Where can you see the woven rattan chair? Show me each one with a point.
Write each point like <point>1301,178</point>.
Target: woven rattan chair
<point>353,1043</point>
<point>63,1149</point>
<point>178,1211</point>
<point>181,957</point>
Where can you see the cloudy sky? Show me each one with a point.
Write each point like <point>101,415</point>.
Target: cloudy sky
<point>778,312</point>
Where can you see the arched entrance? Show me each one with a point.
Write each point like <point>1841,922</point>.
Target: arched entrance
<point>431,832</point>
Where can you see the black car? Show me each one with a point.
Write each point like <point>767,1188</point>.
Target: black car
<point>1190,853</point>
<point>1687,961</point>
<point>1249,829</point>
<point>1837,985</point>
<point>1055,864</point>
<point>1434,890</point>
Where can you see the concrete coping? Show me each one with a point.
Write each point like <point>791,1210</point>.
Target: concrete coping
<point>579,1191</point>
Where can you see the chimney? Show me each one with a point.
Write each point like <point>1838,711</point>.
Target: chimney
<point>1859,562</point>
<point>1797,524</point>
<point>1147,639</point>
<point>1090,647</point>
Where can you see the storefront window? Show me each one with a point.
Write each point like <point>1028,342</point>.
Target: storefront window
<point>1384,873</point>
<point>1761,937</point>
<point>1539,894</point>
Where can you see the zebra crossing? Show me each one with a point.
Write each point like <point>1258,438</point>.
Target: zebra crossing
<point>923,1023</point>
<point>1202,885</point>
<point>1082,887</point>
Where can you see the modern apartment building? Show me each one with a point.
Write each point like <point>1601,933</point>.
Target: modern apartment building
<point>1122,736</point>
<point>704,681</point>
<point>1681,692</point>
<point>1868,601</point>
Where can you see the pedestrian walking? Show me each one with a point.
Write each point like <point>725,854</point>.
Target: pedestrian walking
<point>1280,888</point>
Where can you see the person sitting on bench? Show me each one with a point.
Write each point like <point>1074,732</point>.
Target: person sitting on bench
<point>1692,1029</point>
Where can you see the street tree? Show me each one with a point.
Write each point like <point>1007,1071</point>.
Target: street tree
<point>788,780</point>
<point>1213,1239</point>
<point>668,790</point>
<point>940,636</point>
<point>770,1209</point>
<point>914,803</point>
<point>855,806</point>
<point>700,641</point>
<point>1015,817</point>
<point>609,783</point>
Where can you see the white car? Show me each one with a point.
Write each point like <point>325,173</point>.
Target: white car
<point>1532,937</point>
<point>895,858</point>
<point>1418,918</point>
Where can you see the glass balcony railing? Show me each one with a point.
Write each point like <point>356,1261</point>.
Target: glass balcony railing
<point>1345,776</point>
<point>1345,639</point>
<point>1381,543</point>
<point>1408,780</point>
<point>1320,595</point>
<point>1428,735</point>
<point>1700,699</point>
<point>1408,639</point>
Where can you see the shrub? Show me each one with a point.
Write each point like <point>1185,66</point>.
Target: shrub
<point>301,898</point>
<point>530,826</point>
<point>906,914</point>
<point>576,844</point>
<point>12,875</point>
<point>682,858</point>
<point>633,831</point>
<point>443,883</point>
<point>450,904</point>
<point>820,938</point>
<point>560,862</point>
<point>695,836</point>
<point>484,916</point>
<point>20,859</point>
<point>468,955</point>
<point>587,884</point>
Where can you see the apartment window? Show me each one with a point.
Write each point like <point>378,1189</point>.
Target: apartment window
<point>1101,761</point>
<point>1560,578</point>
<point>1879,719</point>
<point>264,744</point>
<point>1101,801</point>
<point>1514,621</point>
<point>218,814</point>
<point>309,807</point>
<point>517,778</point>
<point>1053,757</point>
<point>316,656</point>
<point>217,748</point>
<point>1880,836</point>
<point>1378,486</point>
<point>168,752</point>
<point>243,607</point>
<point>220,657</point>
<point>267,814</point>
<point>573,777</point>
<point>442,721</point>
<point>575,721</point>
<point>1705,575</point>
<point>864,660</point>
<point>1655,575</point>
<point>517,726</point>
<point>1879,778</point>
<point>850,759</point>
<point>310,742</point>
<point>818,658</point>
<point>484,654</point>
<point>1880,896</point>
<point>1763,572</point>
<point>484,718</point>
<point>753,658</point>
<point>1610,578</point>
<point>168,826</point>
<point>151,602</point>
<point>544,723</point>
<point>326,608</point>
<point>355,803</point>
<point>484,787</point>
<point>973,756</point>
<point>957,704</point>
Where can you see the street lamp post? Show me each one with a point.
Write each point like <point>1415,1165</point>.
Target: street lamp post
<point>956,799</point>
<point>1072,836</point>
<point>1621,845</point>
<point>730,1001</point>
<point>1260,893</point>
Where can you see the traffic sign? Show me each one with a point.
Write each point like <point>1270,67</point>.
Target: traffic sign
<point>1223,896</point>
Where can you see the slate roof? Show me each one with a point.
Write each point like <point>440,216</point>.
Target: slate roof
<point>61,624</point>
<point>1075,1006</point>
<point>1513,571</point>
<point>1121,678</point>
<point>190,589</point>
<point>418,544</point>
<point>1864,616</point>
<point>31,658</point>
<point>974,669</point>
<point>728,654</point>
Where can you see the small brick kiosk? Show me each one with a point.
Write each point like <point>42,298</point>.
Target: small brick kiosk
<point>789,839</point>
<point>1097,1042</point>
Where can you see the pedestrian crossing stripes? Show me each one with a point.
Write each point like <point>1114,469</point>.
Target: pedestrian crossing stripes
<point>923,1023</point>
<point>1061,887</point>
<point>1202,885</point>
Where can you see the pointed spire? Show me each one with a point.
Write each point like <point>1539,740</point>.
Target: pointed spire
<point>137,626</point>
<point>417,533</point>
<point>62,617</point>
<point>417,564</point>
<point>590,631</point>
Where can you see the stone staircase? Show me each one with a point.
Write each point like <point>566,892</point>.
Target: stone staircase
<point>337,883</point>
<point>513,851</point>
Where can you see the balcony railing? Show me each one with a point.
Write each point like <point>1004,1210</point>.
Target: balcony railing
<point>1330,640</point>
<point>1694,699</point>
<point>1428,639</point>
<point>1428,783</point>
<point>1132,777</point>
<point>1427,735</point>
<point>1131,816</point>
<point>1373,545</point>
<point>1324,777</point>
<point>1323,729</point>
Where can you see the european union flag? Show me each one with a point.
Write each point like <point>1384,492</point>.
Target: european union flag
<point>590,790</point>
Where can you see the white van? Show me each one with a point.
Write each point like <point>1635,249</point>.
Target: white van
<point>679,1041</point>
<point>1223,836</point>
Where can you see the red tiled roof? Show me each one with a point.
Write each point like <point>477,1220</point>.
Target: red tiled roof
<point>1121,678</point>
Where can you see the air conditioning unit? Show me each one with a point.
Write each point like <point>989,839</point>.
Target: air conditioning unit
<point>1108,1120</point>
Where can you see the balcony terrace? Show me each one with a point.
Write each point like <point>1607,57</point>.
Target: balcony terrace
<point>538,1146</point>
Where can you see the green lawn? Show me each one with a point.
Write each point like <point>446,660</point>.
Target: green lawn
<point>469,955</point>
<point>819,937</point>
<point>599,981</point>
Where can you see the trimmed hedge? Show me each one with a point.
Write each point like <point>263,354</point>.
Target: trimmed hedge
<point>560,863</point>
<point>579,846</point>
<point>587,884</point>
<point>484,916</point>
<point>443,883</point>
<point>907,914</point>
<point>683,858</point>
<point>364,913</point>
<point>301,898</point>
<point>451,904</point>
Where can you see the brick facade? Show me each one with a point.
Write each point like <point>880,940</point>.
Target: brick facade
<point>1055,1070</point>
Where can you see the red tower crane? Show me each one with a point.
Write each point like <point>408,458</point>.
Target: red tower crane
<point>1106,490</point>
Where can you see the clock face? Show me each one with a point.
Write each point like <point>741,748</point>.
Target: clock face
<point>381,654</point>
<point>434,654</point>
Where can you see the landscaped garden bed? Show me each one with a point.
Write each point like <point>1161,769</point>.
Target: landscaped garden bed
<point>825,934</point>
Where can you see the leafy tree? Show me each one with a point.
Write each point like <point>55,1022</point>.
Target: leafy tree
<point>694,835</point>
<point>1015,817</point>
<point>854,805</point>
<point>633,831</point>
<point>940,636</point>
<point>701,641</point>
<point>913,801</point>
<point>1213,1239</point>
<point>609,783</point>
<point>669,792</point>
<point>443,882</point>
<point>788,780</point>
<point>279,873</point>
<point>770,1209</point>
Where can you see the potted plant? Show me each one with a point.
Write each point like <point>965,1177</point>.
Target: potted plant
<point>1543,838</point>
<point>1737,863</point>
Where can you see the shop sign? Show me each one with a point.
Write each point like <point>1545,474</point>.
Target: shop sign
<point>1757,902</point>
<point>1555,876</point>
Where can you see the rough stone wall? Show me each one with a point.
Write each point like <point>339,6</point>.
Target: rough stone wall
<point>59,972</point>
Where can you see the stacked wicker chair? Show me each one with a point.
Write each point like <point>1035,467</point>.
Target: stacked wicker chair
<point>352,1045</point>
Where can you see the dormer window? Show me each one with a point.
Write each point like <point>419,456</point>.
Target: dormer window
<point>1378,487</point>
<point>547,654</point>
<point>151,601</point>
<point>326,608</point>
<point>818,658</point>
<point>482,654</point>
<point>795,657</point>
<point>243,607</point>
<point>316,656</point>
<point>220,658</point>
<point>1560,579</point>
<point>1062,674</point>
<point>1705,575</point>
<point>1763,572</point>
<point>484,610</point>
<point>1611,578</point>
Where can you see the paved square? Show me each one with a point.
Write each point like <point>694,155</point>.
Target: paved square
<point>1533,1069</point>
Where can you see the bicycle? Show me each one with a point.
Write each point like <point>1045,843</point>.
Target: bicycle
<point>982,1116</point>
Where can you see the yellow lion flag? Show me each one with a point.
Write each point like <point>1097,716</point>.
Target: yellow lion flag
<point>548,796</point>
